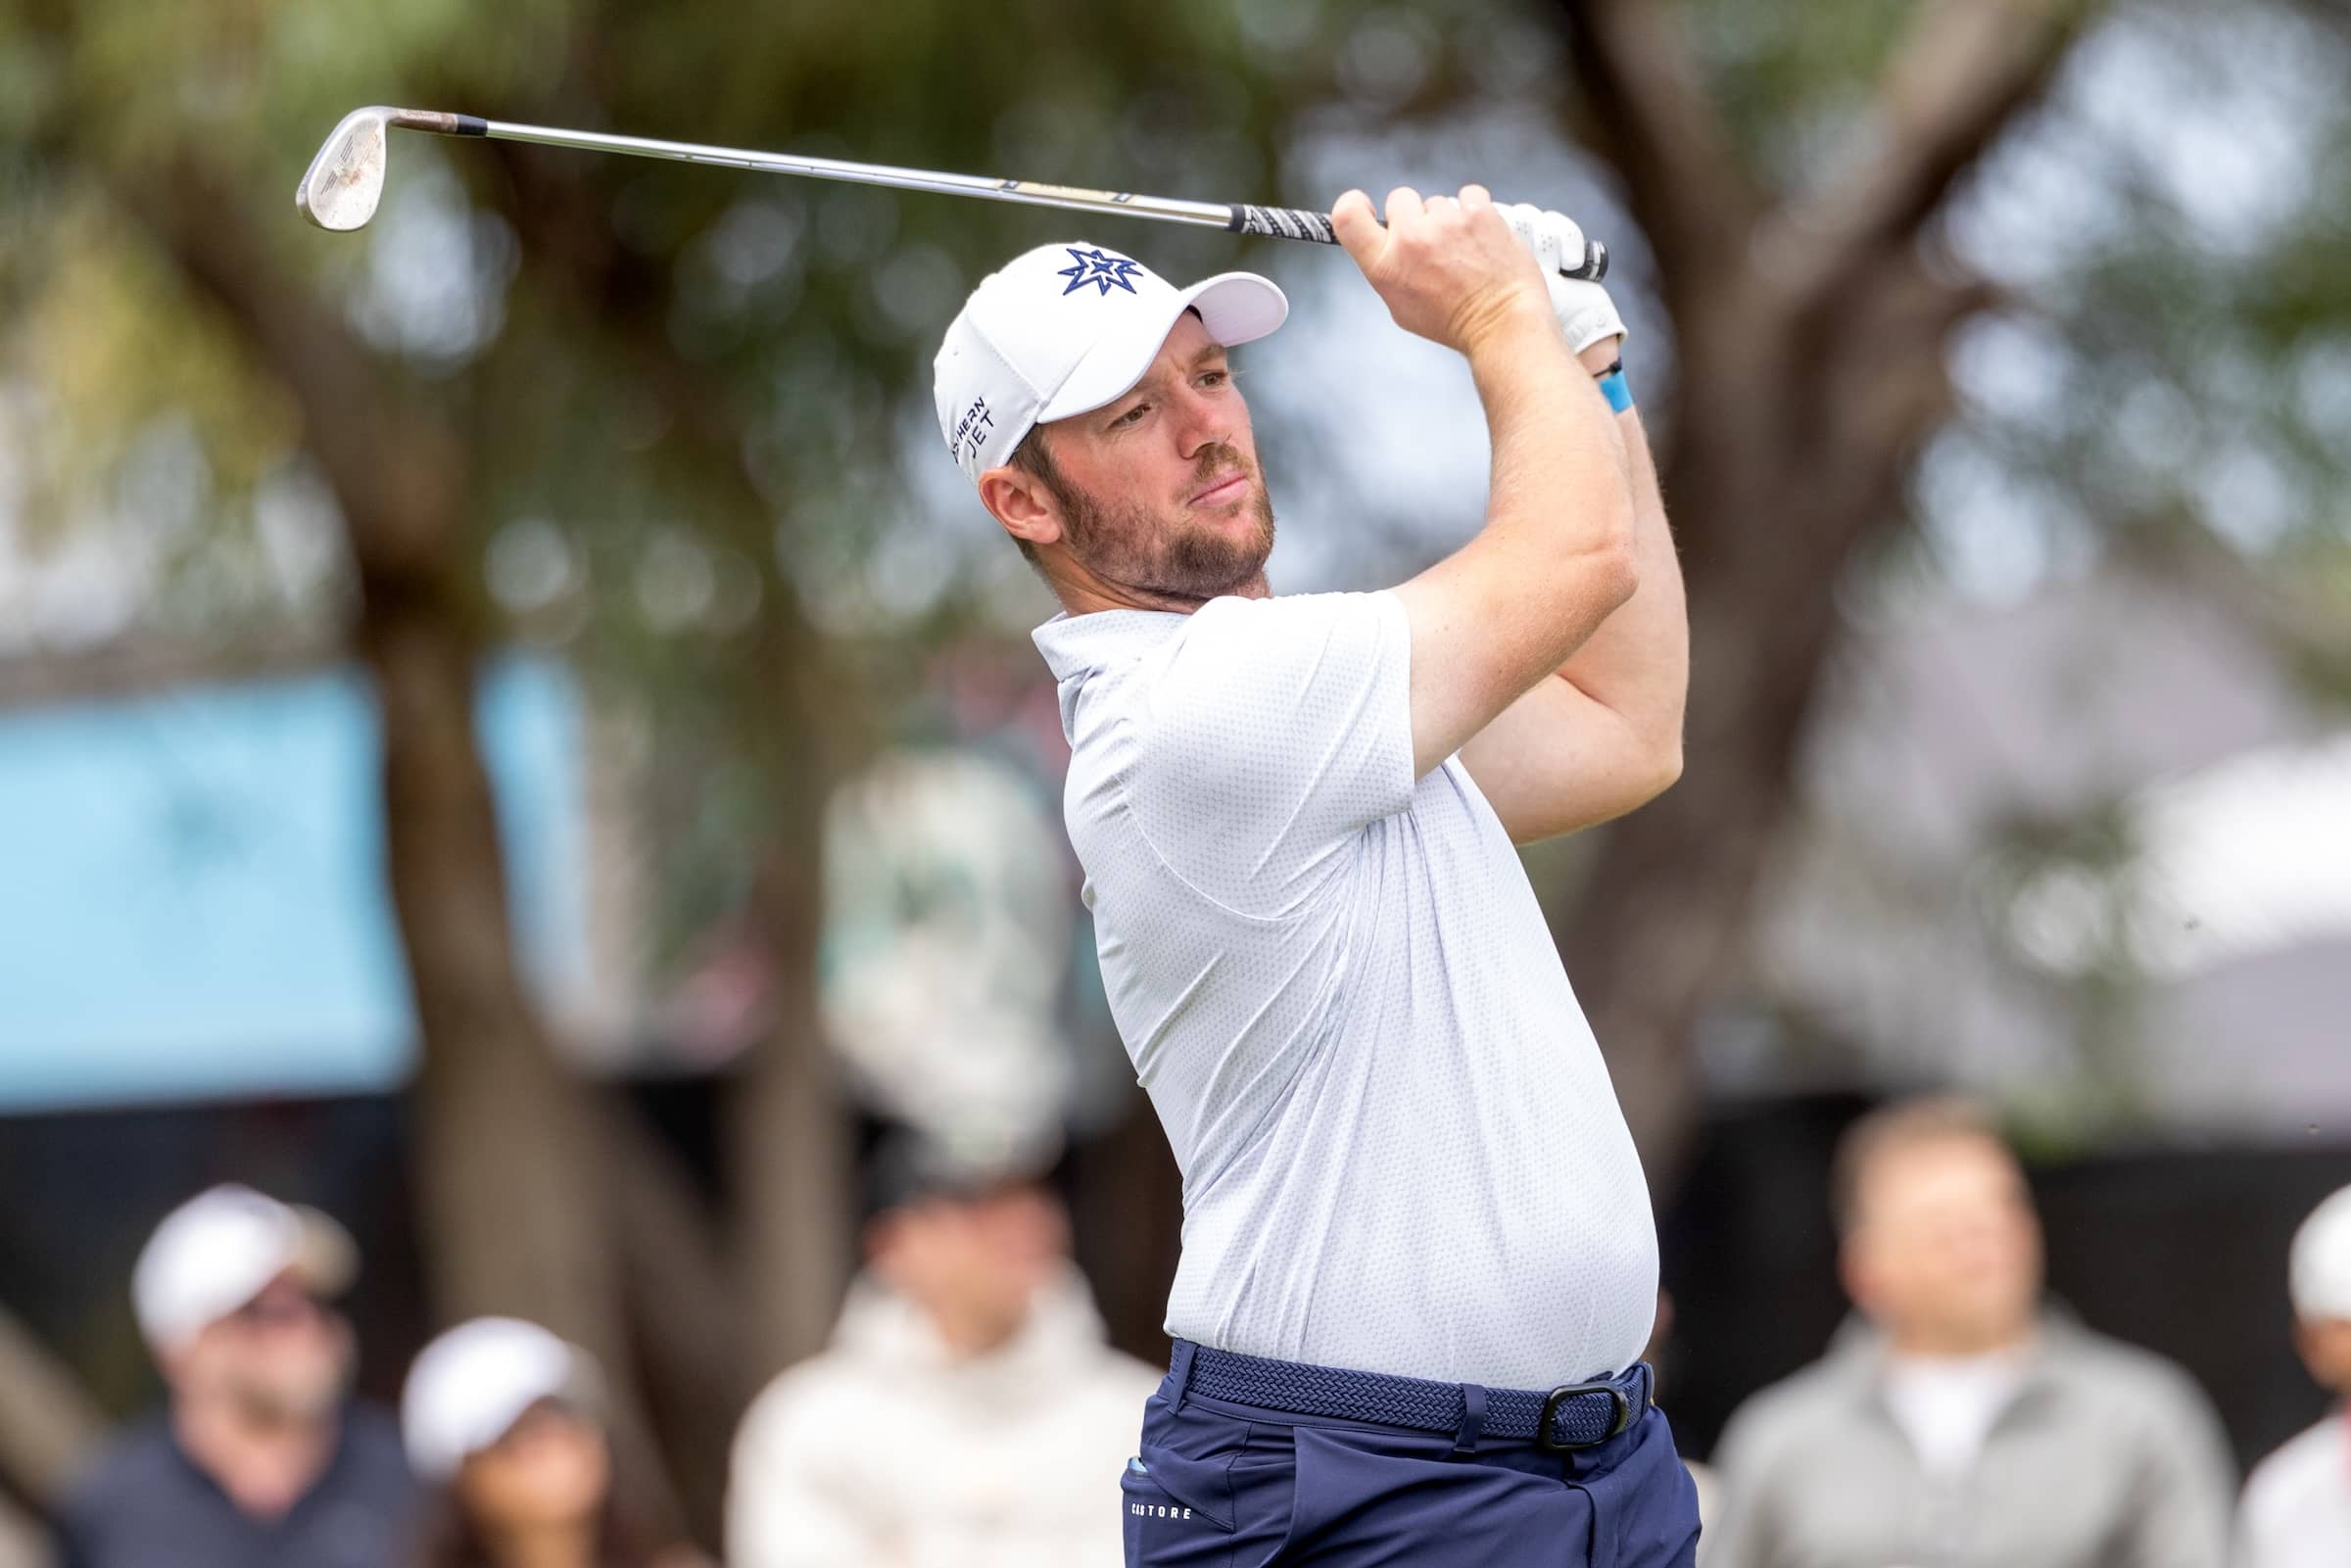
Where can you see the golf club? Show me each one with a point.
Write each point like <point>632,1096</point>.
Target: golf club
<point>345,181</point>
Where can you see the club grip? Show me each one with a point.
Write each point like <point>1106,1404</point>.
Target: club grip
<point>1297,223</point>
<point>1285,223</point>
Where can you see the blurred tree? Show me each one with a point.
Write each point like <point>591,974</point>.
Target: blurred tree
<point>647,414</point>
<point>48,1426</point>
<point>1810,332</point>
<point>673,423</point>
<point>1802,177</point>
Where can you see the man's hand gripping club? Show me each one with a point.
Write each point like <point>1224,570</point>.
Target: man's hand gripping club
<point>1447,268</point>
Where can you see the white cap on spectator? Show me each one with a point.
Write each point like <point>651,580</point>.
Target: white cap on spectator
<point>221,1249</point>
<point>471,1385</point>
<point>2320,1269</point>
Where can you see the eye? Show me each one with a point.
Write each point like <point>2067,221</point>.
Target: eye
<point>1131,417</point>
<point>1216,378</point>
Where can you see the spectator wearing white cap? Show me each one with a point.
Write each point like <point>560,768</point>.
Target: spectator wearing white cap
<point>263,1458</point>
<point>505,1423</point>
<point>970,1328</point>
<point>2297,1507</point>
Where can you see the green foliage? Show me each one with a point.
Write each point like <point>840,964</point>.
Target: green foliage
<point>695,401</point>
<point>2192,327</point>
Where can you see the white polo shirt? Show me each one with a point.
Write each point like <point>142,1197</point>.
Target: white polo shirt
<point>1400,1151</point>
<point>2297,1509</point>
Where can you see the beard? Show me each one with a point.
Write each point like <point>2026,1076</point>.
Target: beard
<point>1171,553</point>
<point>293,1389</point>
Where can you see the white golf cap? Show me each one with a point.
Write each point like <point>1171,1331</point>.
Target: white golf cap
<point>1065,329</point>
<point>2319,1269</point>
<point>221,1249</point>
<point>471,1385</point>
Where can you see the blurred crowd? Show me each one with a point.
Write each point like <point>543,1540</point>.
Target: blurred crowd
<point>970,1410</point>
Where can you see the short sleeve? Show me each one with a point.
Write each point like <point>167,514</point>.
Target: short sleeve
<point>1274,732</point>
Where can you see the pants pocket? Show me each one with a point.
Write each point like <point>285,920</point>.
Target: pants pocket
<point>1367,1497</point>
<point>1165,1530</point>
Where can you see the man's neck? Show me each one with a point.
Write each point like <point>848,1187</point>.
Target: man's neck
<point>967,1335</point>
<point>552,1545</point>
<point>1934,1344</point>
<point>264,1466</point>
<point>1081,592</point>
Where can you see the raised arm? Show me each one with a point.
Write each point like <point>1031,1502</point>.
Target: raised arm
<point>1605,732</point>
<point>1557,556</point>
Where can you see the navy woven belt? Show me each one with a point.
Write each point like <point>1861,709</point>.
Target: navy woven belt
<point>1576,1416</point>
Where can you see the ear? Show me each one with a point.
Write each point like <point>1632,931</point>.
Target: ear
<point>2325,1345</point>
<point>881,1235</point>
<point>1853,1271</point>
<point>1020,501</point>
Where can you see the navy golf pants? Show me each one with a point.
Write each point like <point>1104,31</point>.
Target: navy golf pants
<point>1219,1485</point>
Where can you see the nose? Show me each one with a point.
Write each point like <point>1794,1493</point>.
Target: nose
<point>1203,421</point>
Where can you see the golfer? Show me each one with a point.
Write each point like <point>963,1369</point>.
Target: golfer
<point>1418,1263</point>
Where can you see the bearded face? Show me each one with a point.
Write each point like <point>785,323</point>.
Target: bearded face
<point>282,1357</point>
<point>1154,500</point>
<point>1175,547</point>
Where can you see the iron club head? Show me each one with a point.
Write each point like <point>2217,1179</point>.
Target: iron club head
<point>344,182</point>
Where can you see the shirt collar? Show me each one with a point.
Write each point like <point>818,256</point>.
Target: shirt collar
<point>1858,1353</point>
<point>331,1474</point>
<point>1075,645</point>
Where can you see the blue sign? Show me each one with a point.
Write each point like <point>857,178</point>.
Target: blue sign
<point>192,897</point>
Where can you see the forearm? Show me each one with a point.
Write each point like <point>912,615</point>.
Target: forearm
<point>1492,622</point>
<point>1558,513</point>
<point>1638,662</point>
<point>1560,478</point>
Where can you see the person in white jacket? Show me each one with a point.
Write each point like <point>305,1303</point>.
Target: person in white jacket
<point>968,1412</point>
<point>2297,1507</point>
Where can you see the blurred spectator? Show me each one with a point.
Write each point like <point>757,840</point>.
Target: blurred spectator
<point>1959,1421</point>
<point>968,1412</point>
<point>503,1422</point>
<point>263,1458</point>
<point>2297,1511</point>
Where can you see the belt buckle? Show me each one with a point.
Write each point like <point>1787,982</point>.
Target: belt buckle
<point>1622,1420</point>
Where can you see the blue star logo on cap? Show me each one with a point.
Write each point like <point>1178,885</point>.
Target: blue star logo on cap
<point>1100,269</point>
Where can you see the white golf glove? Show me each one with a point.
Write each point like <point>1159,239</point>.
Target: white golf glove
<point>1586,312</point>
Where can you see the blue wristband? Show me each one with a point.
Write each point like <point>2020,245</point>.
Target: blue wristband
<point>1616,389</point>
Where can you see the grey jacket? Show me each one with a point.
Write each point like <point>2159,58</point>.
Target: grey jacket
<point>2107,1457</point>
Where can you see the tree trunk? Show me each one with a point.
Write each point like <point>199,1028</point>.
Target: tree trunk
<point>514,1218</point>
<point>786,1125</point>
<point>22,1541</point>
<point>1809,334</point>
<point>689,1325</point>
<point>788,1150</point>
<point>1127,1221</point>
<point>48,1425</point>
<point>515,1207</point>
